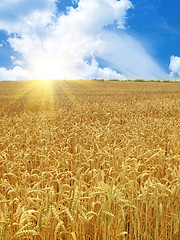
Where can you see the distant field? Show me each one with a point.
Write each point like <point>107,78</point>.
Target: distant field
<point>89,160</point>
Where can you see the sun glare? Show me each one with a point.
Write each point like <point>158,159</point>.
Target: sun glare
<point>50,68</point>
<point>46,70</point>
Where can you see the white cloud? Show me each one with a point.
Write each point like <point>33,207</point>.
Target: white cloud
<point>69,46</point>
<point>174,65</point>
<point>17,73</point>
<point>12,58</point>
<point>74,1</point>
<point>125,54</point>
<point>21,15</point>
<point>1,44</point>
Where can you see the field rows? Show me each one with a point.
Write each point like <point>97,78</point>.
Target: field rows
<point>89,160</point>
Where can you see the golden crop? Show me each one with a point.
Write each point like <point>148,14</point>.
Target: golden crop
<point>89,160</point>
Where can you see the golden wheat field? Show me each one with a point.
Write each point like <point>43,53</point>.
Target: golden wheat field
<point>89,160</point>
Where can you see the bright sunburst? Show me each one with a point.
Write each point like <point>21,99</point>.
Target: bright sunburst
<point>48,68</point>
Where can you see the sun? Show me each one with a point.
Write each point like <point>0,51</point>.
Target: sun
<point>50,68</point>
<point>46,70</point>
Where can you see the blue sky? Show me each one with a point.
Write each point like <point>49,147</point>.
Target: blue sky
<point>110,39</point>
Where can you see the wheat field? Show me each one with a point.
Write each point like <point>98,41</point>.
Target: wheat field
<point>89,160</point>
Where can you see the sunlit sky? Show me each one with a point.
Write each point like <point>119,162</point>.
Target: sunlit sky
<point>87,39</point>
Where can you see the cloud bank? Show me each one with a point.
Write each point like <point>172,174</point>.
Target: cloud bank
<point>175,66</point>
<point>17,73</point>
<point>20,16</point>
<point>52,46</point>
